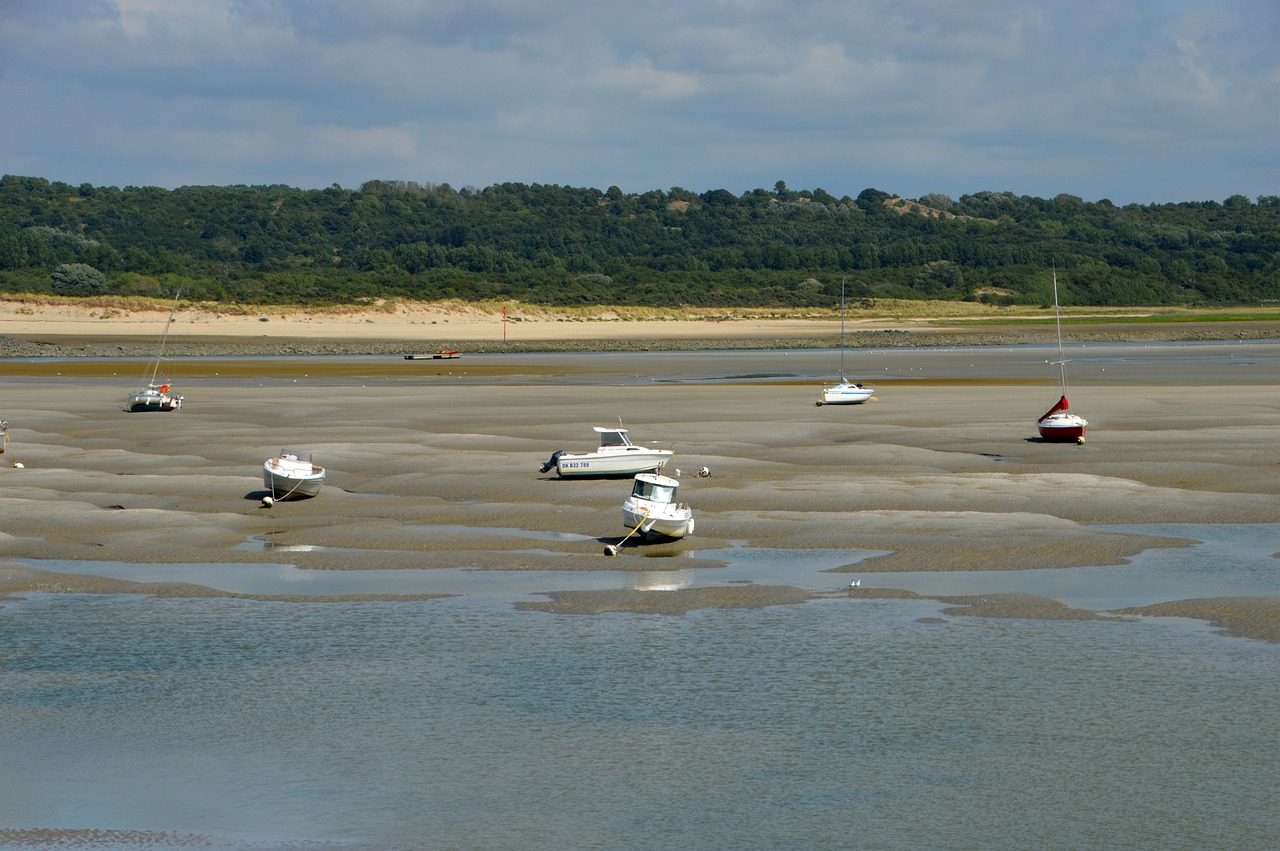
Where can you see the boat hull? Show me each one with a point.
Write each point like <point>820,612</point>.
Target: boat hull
<point>153,400</point>
<point>660,520</point>
<point>291,480</point>
<point>623,463</point>
<point>845,394</point>
<point>1062,428</point>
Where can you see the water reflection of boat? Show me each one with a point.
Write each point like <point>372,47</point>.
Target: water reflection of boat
<point>291,475</point>
<point>662,580</point>
<point>616,456</point>
<point>652,508</point>
<point>1059,424</point>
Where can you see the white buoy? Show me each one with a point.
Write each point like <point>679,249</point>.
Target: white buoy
<point>267,502</point>
<point>703,472</point>
<point>1080,440</point>
<point>17,465</point>
<point>610,550</point>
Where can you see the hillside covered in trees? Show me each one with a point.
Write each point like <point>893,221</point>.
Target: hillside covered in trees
<point>559,245</point>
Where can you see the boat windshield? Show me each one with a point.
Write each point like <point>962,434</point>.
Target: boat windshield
<point>653,492</point>
<point>613,438</point>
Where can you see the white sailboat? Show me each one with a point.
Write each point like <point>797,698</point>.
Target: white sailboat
<point>1058,424</point>
<point>156,393</point>
<point>845,392</point>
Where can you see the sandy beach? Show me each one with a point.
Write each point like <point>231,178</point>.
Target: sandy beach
<point>941,470</point>
<point>62,328</point>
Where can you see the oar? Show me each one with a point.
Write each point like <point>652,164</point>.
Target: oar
<point>612,549</point>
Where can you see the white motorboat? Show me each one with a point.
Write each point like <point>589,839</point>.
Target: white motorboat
<point>1058,424</point>
<point>291,475</point>
<point>846,392</point>
<point>652,509</point>
<point>156,393</point>
<point>616,456</point>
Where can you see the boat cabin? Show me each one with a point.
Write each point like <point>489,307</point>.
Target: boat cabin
<point>655,488</point>
<point>613,438</point>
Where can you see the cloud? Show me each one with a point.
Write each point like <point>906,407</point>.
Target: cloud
<point>646,82</point>
<point>1135,102</point>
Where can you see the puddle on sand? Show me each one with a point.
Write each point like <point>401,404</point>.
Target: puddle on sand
<point>505,532</point>
<point>740,564</point>
<point>1234,560</point>
<point>264,544</point>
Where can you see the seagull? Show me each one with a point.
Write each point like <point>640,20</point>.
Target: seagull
<point>855,583</point>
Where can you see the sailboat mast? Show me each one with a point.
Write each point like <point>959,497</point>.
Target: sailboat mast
<point>1057,319</point>
<point>842,329</point>
<point>164,335</point>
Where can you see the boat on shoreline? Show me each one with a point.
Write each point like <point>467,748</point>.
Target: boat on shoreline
<point>156,392</point>
<point>443,354</point>
<point>652,508</point>
<point>1058,424</point>
<point>292,475</point>
<point>615,456</point>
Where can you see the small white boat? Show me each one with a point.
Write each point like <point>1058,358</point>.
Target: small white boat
<point>616,456</point>
<point>846,392</point>
<point>652,508</point>
<point>291,475</point>
<point>1058,424</point>
<point>156,393</point>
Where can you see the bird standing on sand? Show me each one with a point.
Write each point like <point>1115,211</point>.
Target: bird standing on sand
<point>855,583</point>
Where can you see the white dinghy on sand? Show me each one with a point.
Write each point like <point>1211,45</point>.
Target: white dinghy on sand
<point>291,475</point>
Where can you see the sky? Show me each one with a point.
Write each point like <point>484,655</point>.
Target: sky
<point>1134,101</point>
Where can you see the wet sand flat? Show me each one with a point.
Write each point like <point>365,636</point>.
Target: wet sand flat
<point>941,470</point>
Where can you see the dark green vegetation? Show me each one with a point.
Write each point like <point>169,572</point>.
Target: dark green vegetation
<point>559,245</point>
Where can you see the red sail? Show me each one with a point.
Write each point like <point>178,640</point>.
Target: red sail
<point>1061,406</point>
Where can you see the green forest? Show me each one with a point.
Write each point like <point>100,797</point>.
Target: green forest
<point>560,245</point>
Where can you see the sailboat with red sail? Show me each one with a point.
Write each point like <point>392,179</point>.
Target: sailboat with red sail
<point>1058,424</point>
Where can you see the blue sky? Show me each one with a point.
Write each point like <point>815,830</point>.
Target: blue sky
<point>1137,101</point>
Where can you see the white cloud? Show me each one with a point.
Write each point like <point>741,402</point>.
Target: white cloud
<point>643,80</point>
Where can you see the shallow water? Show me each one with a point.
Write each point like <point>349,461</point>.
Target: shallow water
<point>1092,363</point>
<point>793,728</point>
<point>464,723</point>
<point>1229,560</point>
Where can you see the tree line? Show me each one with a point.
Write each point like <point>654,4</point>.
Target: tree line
<point>561,245</point>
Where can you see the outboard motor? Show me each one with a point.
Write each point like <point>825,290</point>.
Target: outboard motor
<point>551,464</point>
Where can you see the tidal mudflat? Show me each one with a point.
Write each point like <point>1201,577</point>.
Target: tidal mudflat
<point>1055,646</point>
<point>429,462</point>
